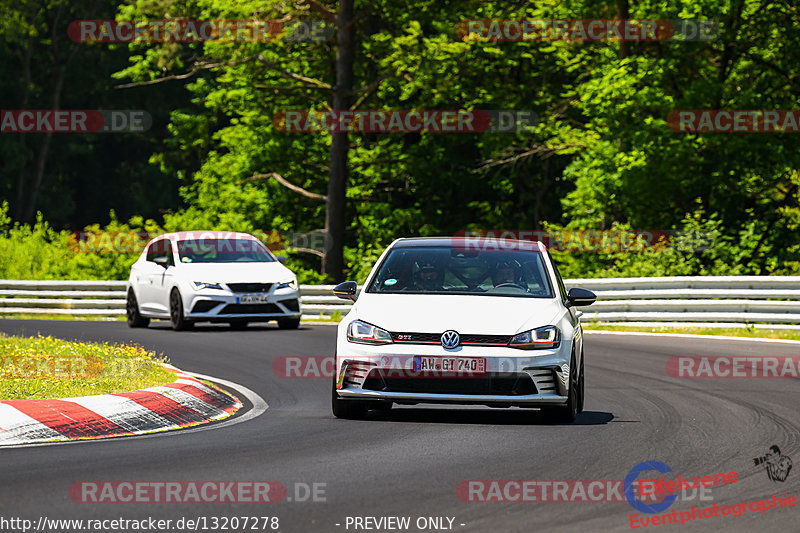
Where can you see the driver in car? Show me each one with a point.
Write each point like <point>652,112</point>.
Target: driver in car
<point>503,272</point>
<point>428,278</point>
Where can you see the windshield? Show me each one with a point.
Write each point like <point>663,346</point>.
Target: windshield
<point>446,270</point>
<point>223,251</point>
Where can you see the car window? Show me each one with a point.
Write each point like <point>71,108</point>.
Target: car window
<point>450,270</point>
<point>223,251</point>
<point>159,248</point>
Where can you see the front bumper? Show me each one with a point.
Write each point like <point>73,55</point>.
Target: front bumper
<point>212,305</point>
<point>525,378</point>
<point>535,400</point>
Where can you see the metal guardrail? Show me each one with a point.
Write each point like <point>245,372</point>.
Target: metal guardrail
<point>731,301</point>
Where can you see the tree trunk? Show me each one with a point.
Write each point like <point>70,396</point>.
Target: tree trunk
<point>19,205</point>
<point>61,63</point>
<point>333,263</point>
<point>623,13</point>
<point>41,159</point>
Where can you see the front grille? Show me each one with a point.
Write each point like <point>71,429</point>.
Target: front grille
<point>291,305</point>
<point>204,306</point>
<point>250,287</point>
<point>249,309</point>
<point>495,384</point>
<point>435,338</point>
<point>485,339</point>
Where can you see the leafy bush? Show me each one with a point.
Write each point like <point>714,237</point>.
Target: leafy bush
<point>700,247</point>
<point>38,252</point>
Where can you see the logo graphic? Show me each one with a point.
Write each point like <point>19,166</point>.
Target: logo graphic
<point>635,502</point>
<point>450,339</point>
<point>777,465</point>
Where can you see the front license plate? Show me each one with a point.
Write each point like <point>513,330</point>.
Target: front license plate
<point>465,365</point>
<point>252,299</point>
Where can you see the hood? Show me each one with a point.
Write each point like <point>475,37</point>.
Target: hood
<point>236,272</point>
<point>494,315</point>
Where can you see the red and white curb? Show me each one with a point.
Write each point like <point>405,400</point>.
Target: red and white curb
<point>183,403</point>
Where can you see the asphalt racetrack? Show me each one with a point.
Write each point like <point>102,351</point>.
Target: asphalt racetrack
<point>408,462</point>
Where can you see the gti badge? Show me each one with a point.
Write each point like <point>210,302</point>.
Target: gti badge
<point>450,339</point>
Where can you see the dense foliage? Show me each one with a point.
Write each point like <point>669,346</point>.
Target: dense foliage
<point>601,156</point>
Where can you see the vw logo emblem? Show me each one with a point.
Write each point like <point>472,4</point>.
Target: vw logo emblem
<point>450,339</point>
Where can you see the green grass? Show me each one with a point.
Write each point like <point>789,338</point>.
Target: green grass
<point>327,320</point>
<point>45,367</point>
<point>728,332</point>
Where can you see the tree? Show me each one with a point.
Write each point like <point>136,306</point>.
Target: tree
<point>337,175</point>
<point>75,178</point>
<point>229,57</point>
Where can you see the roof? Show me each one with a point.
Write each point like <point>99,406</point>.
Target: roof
<point>206,234</point>
<point>471,243</point>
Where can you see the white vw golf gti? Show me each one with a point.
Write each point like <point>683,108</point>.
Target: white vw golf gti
<point>211,276</point>
<point>461,321</point>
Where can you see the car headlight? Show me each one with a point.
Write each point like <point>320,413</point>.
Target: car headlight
<point>291,284</point>
<point>363,333</point>
<point>200,285</point>
<point>537,339</point>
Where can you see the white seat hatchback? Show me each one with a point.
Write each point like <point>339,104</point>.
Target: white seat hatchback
<point>211,276</point>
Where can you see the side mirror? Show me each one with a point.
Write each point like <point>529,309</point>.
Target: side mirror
<point>163,261</point>
<point>577,297</point>
<point>346,290</point>
<point>281,259</point>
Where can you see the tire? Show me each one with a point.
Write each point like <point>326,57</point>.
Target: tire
<point>135,319</point>
<point>238,325</point>
<point>176,315</point>
<point>288,323</point>
<point>348,409</point>
<point>567,414</point>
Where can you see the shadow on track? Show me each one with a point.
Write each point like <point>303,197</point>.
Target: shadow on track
<point>163,325</point>
<point>516,417</point>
